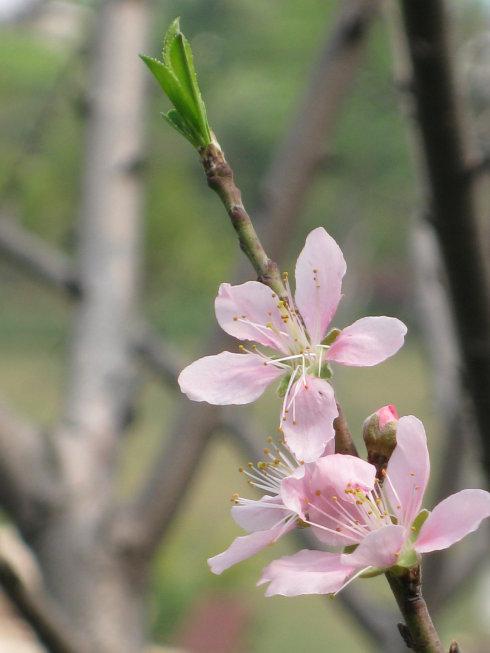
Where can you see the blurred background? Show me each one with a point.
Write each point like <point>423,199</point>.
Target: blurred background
<point>255,63</point>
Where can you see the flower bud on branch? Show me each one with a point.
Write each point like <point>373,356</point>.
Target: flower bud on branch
<point>379,433</point>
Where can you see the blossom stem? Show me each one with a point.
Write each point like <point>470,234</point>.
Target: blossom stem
<point>419,632</point>
<point>343,438</point>
<point>221,179</point>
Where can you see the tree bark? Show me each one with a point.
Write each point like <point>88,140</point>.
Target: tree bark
<point>100,590</point>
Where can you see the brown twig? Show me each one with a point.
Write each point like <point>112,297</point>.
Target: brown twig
<point>221,179</point>
<point>343,437</point>
<point>419,632</point>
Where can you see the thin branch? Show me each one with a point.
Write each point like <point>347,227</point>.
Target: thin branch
<point>157,355</point>
<point>418,631</point>
<point>34,255</point>
<point>39,612</point>
<point>285,170</point>
<point>343,437</point>
<point>221,179</point>
<point>450,201</point>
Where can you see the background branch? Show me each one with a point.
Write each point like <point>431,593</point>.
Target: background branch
<point>449,196</point>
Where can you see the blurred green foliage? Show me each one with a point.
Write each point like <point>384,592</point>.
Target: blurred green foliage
<point>253,60</point>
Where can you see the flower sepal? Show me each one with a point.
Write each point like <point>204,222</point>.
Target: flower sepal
<point>408,558</point>
<point>372,573</point>
<point>331,337</point>
<point>283,386</point>
<point>417,524</point>
<point>325,372</point>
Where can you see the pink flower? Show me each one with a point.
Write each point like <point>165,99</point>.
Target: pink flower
<point>297,347</point>
<point>346,505</point>
<point>266,519</point>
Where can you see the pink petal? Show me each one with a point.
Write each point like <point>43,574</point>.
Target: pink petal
<point>368,341</point>
<point>379,549</point>
<point>246,546</point>
<point>453,519</point>
<point>255,302</point>
<point>408,469</point>
<point>387,414</point>
<point>227,378</point>
<point>306,572</point>
<point>309,427</point>
<point>312,497</point>
<point>340,471</point>
<point>319,271</point>
<point>259,515</point>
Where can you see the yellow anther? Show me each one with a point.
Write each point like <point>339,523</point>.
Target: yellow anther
<point>235,318</point>
<point>266,451</point>
<point>240,469</point>
<point>269,325</point>
<point>241,347</point>
<point>270,439</point>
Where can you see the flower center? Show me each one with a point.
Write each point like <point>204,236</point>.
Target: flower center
<point>354,514</point>
<point>267,474</point>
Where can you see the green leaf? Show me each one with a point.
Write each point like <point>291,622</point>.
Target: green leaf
<point>177,55</point>
<point>177,77</point>
<point>169,83</point>
<point>175,120</point>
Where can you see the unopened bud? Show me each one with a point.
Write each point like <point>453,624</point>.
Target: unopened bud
<point>379,433</point>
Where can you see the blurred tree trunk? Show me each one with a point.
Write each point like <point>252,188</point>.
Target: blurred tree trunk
<point>93,582</point>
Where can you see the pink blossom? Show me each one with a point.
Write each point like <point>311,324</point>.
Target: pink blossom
<point>383,521</point>
<point>297,347</point>
<point>266,519</point>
